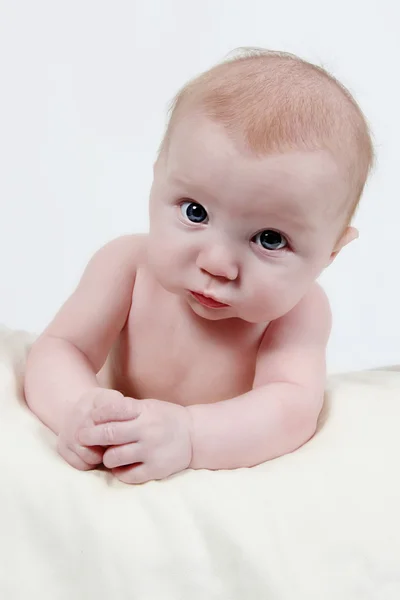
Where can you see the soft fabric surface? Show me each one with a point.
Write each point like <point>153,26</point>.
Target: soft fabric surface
<point>321,523</point>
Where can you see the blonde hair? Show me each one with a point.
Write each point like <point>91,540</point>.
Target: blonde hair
<point>276,101</point>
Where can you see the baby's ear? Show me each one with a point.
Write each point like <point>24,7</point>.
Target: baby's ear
<point>349,234</point>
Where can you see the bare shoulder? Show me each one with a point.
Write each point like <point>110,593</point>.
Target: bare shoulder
<point>130,243</point>
<point>126,250</point>
<point>95,313</point>
<point>316,299</point>
<point>294,347</point>
<point>309,322</point>
<point>114,263</point>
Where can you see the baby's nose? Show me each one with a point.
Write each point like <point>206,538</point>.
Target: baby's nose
<point>218,262</point>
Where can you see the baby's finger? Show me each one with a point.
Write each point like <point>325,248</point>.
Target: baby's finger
<point>73,459</point>
<point>109,434</point>
<point>92,456</point>
<point>119,409</point>
<point>102,396</point>
<point>119,456</point>
<point>134,474</point>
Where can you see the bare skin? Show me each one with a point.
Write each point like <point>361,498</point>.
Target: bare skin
<point>138,373</point>
<point>140,367</point>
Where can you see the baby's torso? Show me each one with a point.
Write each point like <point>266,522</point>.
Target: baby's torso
<point>167,352</point>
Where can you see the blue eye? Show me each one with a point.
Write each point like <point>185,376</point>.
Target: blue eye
<point>194,212</point>
<point>270,240</point>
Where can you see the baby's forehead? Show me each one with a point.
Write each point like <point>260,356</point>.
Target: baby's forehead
<point>276,101</point>
<point>210,167</point>
<point>201,148</point>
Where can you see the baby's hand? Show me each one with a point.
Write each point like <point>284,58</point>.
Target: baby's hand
<point>78,416</point>
<point>147,439</point>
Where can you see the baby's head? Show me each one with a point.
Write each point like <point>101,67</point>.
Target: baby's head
<point>260,171</point>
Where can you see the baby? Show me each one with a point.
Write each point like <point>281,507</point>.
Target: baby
<point>202,343</point>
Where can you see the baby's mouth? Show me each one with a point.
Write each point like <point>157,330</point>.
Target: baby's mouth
<point>207,301</point>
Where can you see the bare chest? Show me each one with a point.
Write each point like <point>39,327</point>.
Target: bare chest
<point>165,352</point>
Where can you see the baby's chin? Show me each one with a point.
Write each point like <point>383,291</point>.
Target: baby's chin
<point>253,317</point>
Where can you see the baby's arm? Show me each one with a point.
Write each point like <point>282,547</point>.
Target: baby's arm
<point>280,413</point>
<point>63,362</point>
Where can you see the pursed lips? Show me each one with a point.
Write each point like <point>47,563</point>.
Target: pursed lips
<point>208,301</point>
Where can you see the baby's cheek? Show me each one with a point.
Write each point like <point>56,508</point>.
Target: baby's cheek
<point>165,262</point>
<point>161,248</point>
<point>273,297</point>
<point>288,294</point>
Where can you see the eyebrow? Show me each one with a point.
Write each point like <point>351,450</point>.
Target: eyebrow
<point>191,186</point>
<point>285,221</point>
<point>177,177</point>
<point>291,214</point>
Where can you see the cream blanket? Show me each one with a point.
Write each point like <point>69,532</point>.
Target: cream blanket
<point>322,523</point>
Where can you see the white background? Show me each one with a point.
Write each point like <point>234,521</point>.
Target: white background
<point>84,89</point>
